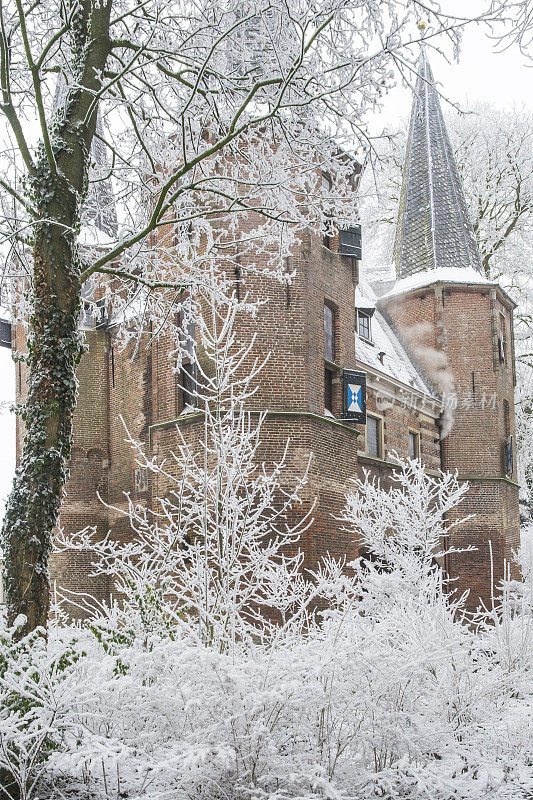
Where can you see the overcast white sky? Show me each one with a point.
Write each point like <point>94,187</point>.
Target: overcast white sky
<point>502,79</point>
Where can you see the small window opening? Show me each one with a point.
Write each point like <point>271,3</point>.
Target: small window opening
<point>188,384</point>
<point>329,355</point>
<point>414,445</point>
<point>113,367</point>
<point>141,480</point>
<point>329,333</point>
<point>328,390</point>
<point>502,340</point>
<point>350,242</point>
<point>187,373</point>
<point>506,419</point>
<point>374,430</point>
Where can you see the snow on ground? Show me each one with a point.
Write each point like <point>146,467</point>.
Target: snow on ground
<point>386,694</point>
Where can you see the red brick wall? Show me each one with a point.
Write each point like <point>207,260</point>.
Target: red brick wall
<point>87,487</point>
<point>333,463</point>
<point>459,322</point>
<point>400,417</point>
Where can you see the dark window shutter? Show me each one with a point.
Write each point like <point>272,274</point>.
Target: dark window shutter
<point>350,242</point>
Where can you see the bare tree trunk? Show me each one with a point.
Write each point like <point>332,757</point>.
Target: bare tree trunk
<point>58,185</point>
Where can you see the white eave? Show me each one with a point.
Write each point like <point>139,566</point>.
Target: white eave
<point>451,276</point>
<point>424,402</point>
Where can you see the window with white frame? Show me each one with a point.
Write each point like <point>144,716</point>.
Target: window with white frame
<point>364,328</point>
<point>374,436</point>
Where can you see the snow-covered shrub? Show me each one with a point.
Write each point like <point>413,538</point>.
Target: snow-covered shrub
<point>187,689</point>
<point>387,695</point>
<point>38,701</point>
<point>404,530</point>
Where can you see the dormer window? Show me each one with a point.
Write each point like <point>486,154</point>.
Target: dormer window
<point>364,327</point>
<point>350,242</point>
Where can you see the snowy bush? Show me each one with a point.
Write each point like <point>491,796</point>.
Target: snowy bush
<point>224,673</point>
<point>387,694</point>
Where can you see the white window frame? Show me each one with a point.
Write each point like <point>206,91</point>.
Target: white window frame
<point>359,313</point>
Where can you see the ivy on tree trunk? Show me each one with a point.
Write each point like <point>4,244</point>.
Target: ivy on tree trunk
<point>58,183</point>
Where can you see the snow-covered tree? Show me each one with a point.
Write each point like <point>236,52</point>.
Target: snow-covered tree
<point>218,554</point>
<point>404,531</point>
<point>514,24</point>
<point>196,117</point>
<point>500,194</point>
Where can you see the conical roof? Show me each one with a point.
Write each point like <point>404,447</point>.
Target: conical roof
<point>100,208</point>
<point>434,230</point>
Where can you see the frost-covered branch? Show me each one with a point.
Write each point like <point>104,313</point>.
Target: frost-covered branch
<point>218,554</point>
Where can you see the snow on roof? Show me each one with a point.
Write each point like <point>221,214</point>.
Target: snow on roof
<point>440,275</point>
<point>385,353</point>
<point>364,296</point>
<point>134,310</point>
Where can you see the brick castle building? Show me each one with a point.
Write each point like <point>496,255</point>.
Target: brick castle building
<point>431,352</point>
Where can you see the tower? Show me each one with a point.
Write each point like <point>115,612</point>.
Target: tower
<point>457,326</point>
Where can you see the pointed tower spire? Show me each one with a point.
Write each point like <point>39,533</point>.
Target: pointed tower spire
<point>433,230</point>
